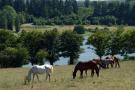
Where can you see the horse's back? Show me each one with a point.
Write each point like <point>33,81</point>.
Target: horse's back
<point>38,69</point>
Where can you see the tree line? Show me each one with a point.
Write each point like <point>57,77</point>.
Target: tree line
<point>68,12</point>
<point>113,42</point>
<point>17,49</point>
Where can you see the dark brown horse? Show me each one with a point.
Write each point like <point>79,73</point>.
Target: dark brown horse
<point>116,62</point>
<point>84,66</point>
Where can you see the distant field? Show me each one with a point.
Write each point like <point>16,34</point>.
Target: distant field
<point>110,79</point>
<point>28,27</point>
<point>61,28</point>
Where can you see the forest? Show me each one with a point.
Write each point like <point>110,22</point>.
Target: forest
<point>68,12</point>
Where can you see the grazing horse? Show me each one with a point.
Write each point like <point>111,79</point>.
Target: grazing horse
<point>116,61</point>
<point>84,66</point>
<point>36,69</point>
<point>108,61</point>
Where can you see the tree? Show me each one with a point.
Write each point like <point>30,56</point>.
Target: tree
<point>128,39</point>
<point>40,56</point>
<point>79,29</point>
<point>13,57</point>
<point>115,42</point>
<point>9,15</point>
<point>7,39</point>
<point>99,40</point>
<point>33,42</point>
<point>70,45</point>
<point>19,5</point>
<point>84,13</point>
<point>17,24</point>
<point>51,45</point>
<point>86,3</point>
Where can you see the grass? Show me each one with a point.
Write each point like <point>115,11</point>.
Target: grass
<point>29,27</point>
<point>110,79</point>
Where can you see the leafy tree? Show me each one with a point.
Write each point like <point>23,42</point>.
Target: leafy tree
<point>70,45</point>
<point>9,16</point>
<point>33,42</point>
<point>128,39</point>
<point>84,13</point>
<point>17,24</point>
<point>86,3</point>
<point>13,57</point>
<point>99,40</point>
<point>40,56</point>
<point>115,42</point>
<point>51,45</point>
<point>7,39</point>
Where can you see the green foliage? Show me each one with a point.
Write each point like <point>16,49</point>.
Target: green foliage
<point>128,39</point>
<point>70,45</point>
<point>13,57</point>
<point>115,42</point>
<point>9,17</point>
<point>7,39</point>
<point>17,24</point>
<point>32,41</point>
<point>40,56</point>
<point>99,40</point>
<point>51,44</point>
<point>83,13</point>
<point>79,29</point>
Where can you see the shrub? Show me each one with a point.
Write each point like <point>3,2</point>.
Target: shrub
<point>79,29</point>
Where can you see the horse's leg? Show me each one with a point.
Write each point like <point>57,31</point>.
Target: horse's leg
<point>49,77</point>
<point>112,65</point>
<point>118,64</point>
<point>37,77</point>
<point>81,74</point>
<point>46,76</point>
<point>86,72</point>
<point>115,64</point>
<point>97,71</point>
<point>33,80</point>
<point>92,72</point>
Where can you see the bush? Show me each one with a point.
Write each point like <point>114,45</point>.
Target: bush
<point>13,57</point>
<point>79,29</point>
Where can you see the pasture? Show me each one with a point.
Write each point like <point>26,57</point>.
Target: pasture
<point>29,27</point>
<point>110,79</point>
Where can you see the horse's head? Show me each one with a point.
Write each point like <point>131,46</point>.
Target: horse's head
<point>74,75</point>
<point>26,79</point>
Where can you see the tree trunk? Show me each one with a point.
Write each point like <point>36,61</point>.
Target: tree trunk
<point>51,62</point>
<point>71,61</point>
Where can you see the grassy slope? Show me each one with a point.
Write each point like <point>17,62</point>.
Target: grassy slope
<point>110,79</point>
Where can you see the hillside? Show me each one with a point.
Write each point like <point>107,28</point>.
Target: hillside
<point>110,79</point>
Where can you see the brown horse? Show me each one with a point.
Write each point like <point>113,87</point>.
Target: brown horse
<point>116,62</point>
<point>84,66</point>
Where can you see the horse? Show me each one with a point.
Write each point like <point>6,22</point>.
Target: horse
<point>84,66</point>
<point>37,69</point>
<point>116,61</point>
<point>108,61</point>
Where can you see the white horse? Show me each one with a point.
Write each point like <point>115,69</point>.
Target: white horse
<point>36,69</point>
